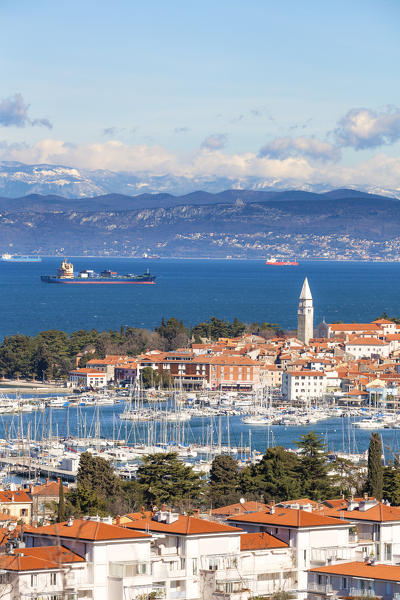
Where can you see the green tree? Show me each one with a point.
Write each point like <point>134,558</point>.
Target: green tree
<point>149,378</point>
<point>96,473</point>
<point>313,469</point>
<point>275,477</point>
<point>61,504</point>
<point>348,479</point>
<point>391,482</point>
<point>374,484</point>
<point>224,481</point>
<point>165,479</point>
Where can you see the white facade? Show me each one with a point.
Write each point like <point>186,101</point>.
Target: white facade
<point>365,348</point>
<point>87,378</point>
<point>304,385</point>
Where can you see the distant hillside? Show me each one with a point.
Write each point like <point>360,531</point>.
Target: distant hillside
<point>347,223</point>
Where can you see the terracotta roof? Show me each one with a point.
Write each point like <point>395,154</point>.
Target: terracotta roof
<point>380,512</point>
<point>240,508</point>
<point>86,530</point>
<point>306,373</point>
<point>50,488</point>
<point>35,559</point>
<point>354,327</point>
<point>362,570</point>
<point>260,541</point>
<point>184,525</point>
<point>365,341</point>
<point>16,496</point>
<point>384,322</point>
<point>287,517</point>
<point>85,371</point>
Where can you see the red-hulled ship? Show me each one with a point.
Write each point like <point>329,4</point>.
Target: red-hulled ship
<point>282,263</point>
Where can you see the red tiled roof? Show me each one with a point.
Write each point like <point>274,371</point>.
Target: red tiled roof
<point>287,517</point>
<point>378,513</point>
<point>362,570</point>
<point>16,496</point>
<point>240,508</point>
<point>35,559</point>
<point>86,530</point>
<point>184,525</point>
<point>354,327</point>
<point>260,541</point>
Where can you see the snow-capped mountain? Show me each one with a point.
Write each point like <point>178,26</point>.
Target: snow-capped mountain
<point>18,179</point>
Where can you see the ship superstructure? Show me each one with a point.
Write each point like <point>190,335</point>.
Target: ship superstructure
<point>65,274</point>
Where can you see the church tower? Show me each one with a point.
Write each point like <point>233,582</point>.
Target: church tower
<point>305,314</point>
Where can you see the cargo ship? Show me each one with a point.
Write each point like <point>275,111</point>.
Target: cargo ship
<point>65,274</point>
<point>282,263</point>
<point>25,258</point>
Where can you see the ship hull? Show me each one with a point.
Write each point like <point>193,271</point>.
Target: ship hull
<point>281,263</point>
<point>94,281</point>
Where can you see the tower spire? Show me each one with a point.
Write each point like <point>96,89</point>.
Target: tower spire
<point>305,314</point>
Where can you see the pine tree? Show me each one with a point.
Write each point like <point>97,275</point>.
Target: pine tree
<point>275,477</point>
<point>313,470</point>
<point>61,504</point>
<point>374,485</point>
<point>224,481</point>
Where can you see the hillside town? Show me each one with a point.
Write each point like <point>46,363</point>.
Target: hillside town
<point>348,364</point>
<point>336,547</point>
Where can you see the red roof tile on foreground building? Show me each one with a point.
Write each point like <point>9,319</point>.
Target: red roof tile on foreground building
<point>260,541</point>
<point>288,517</point>
<point>362,570</point>
<point>34,559</point>
<point>86,530</point>
<point>183,525</point>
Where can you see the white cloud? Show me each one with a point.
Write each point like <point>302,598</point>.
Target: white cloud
<point>380,173</point>
<point>363,128</point>
<point>300,146</point>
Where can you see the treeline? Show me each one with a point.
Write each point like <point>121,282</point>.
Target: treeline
<point>52,354</point>
<point>280,475</point>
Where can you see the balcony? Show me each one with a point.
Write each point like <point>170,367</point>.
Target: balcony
<point>123,570</point>
<point>323,556</point>
<point>324,589</point>
<point>361,593</point>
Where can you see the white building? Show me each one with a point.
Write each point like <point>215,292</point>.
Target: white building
<point>313,538</point>
<point>304,385</point>
<point>87,378</point>
<point>365,347</point>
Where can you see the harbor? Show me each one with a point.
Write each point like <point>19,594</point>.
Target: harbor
<point>45,437</point>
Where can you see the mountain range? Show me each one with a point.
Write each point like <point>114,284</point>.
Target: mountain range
<point>345,224</point>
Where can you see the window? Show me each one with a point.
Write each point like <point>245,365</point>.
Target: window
<point>34,580</point>
<point>344,583</point>
<point>53,578</point>
<point>388,552</point>
<point>141,568</point>
<point>213,564</point>
<point>194,566</point>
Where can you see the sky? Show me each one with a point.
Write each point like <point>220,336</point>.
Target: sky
<point>293,93</point>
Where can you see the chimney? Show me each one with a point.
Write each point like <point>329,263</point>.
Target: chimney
<point>118,520</point>
<point>272,511</point>
<point>70,522</point>
<point>196,512</point>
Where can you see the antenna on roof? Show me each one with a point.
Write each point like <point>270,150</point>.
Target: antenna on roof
<point>242,500</point>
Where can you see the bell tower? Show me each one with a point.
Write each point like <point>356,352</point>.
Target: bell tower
<point>305,314</point>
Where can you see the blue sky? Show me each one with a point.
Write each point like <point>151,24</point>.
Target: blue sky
<point>286,90</point>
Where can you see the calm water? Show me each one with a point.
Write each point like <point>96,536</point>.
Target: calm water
<point>194,290</point>
<point>81,421</point>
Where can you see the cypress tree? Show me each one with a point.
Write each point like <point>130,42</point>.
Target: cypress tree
<point>374,485</point>
<point>61,504</point>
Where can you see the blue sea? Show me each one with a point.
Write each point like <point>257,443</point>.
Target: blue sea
<point>194,290</point>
